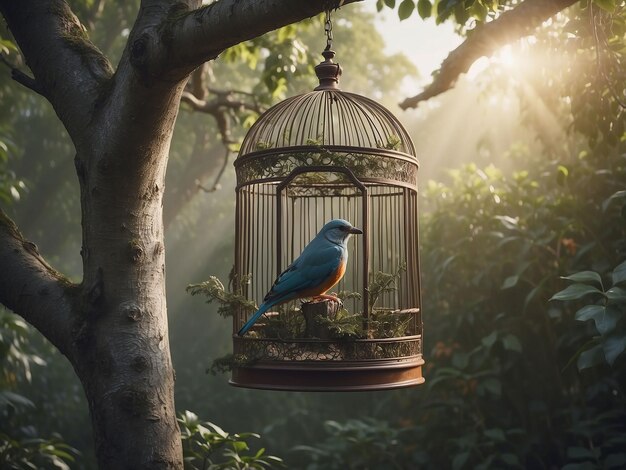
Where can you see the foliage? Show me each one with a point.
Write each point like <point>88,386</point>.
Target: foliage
<point>493,249</point>
<point>382,283</point>
<point>207,446</point>
<point>229,302</point>
<point>35,453</point>
<point>289,322</point>
<point>357,443</point>
<point>10,185</point>
<point>607,313</point>
<point>343,325</point>
<point>21,445</point>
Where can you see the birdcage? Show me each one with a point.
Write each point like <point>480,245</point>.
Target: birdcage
<point>319,156</point>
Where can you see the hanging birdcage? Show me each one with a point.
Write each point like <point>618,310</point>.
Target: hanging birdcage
<point>312,158</point>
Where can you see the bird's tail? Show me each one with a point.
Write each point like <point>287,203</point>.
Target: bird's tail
<point>262,309</point>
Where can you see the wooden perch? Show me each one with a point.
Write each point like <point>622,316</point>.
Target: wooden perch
<point>313,312</point>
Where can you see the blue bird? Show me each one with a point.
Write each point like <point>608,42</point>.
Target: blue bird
<point>321,265</point>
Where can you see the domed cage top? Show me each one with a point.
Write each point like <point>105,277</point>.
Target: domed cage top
<point>312,158</point>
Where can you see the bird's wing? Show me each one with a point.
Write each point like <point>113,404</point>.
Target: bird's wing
<point>316,263</point>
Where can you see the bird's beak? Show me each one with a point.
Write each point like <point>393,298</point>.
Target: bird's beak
<point>356,231</point>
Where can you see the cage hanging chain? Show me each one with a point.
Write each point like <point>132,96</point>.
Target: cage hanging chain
<point>328,28</point>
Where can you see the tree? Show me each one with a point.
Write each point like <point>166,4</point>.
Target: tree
<point>112,326</point>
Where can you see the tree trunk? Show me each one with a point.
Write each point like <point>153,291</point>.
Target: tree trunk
<point>121,342</point>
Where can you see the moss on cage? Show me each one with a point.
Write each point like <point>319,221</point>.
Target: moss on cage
<point>228,362</point>
<point>228,302</point>
<point>287,322</point>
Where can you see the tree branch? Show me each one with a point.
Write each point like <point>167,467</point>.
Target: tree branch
<point>487,38</point>
<point>20,77</point>
<point>32,288</point>
<point>68,68</point>
<point>201,35</point>
<point>219,107</point>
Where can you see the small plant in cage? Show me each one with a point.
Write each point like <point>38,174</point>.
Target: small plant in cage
<point>343,325</point>
<point>387,323</point>
<point>229,302</point>
<point>382,283</point>
<point>393,143</point>
<point>316,142</point>
<point>226,363</point>
<point>287,323</point>
<point>260,145</point>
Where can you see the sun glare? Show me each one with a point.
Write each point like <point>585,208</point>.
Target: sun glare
<point>505,56</point>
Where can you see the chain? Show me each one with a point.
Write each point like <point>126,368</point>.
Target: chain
<point>328,28</point>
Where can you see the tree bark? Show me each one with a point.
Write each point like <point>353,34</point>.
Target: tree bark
<point>113,326</point>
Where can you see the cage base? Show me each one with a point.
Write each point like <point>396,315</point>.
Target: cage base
<point>300,378</point>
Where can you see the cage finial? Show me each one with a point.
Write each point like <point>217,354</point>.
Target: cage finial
<point>328,72</point>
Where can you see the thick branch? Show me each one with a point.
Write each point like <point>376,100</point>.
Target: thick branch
<point>69,70</point>
<point>201,35</point>
<point>487,38</point>
<point>33,289</point>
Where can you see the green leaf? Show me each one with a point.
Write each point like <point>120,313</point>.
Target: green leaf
<point>532,294</point>
<point>607,5</point>
<point>459,460</point>
<point>586,465</point>
<point>509,222</point>
<point>491,385</point>
<point>495,434</point>
<point>589,311</point>
<point>613,346</point>
<point>218,430</point>
<point>607,322</point>
<point>617,195</point>
<point>591,357</point>
<point>580,453</point>
<point>511,460</point>
<point>575,292</point>
<point>479,11</point>
<point>512,343</point>
<point>14,399</point>
<point>406,9</point>
<point>585,277</point>
<point>509,282</point>
<point>460,360</point>
<point>619,273</point>
<point>605,318</point>
<point>490,340</point>
<point>616,294</point>
<point>424,8</point>
<point>390,3</point>
<point>562,174</point>
<point>615,461</point>
<point>239,446</point>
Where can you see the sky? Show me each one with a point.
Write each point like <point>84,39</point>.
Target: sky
<point>423,42</point>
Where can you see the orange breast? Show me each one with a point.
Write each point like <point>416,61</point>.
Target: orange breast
<point>327,284</point>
